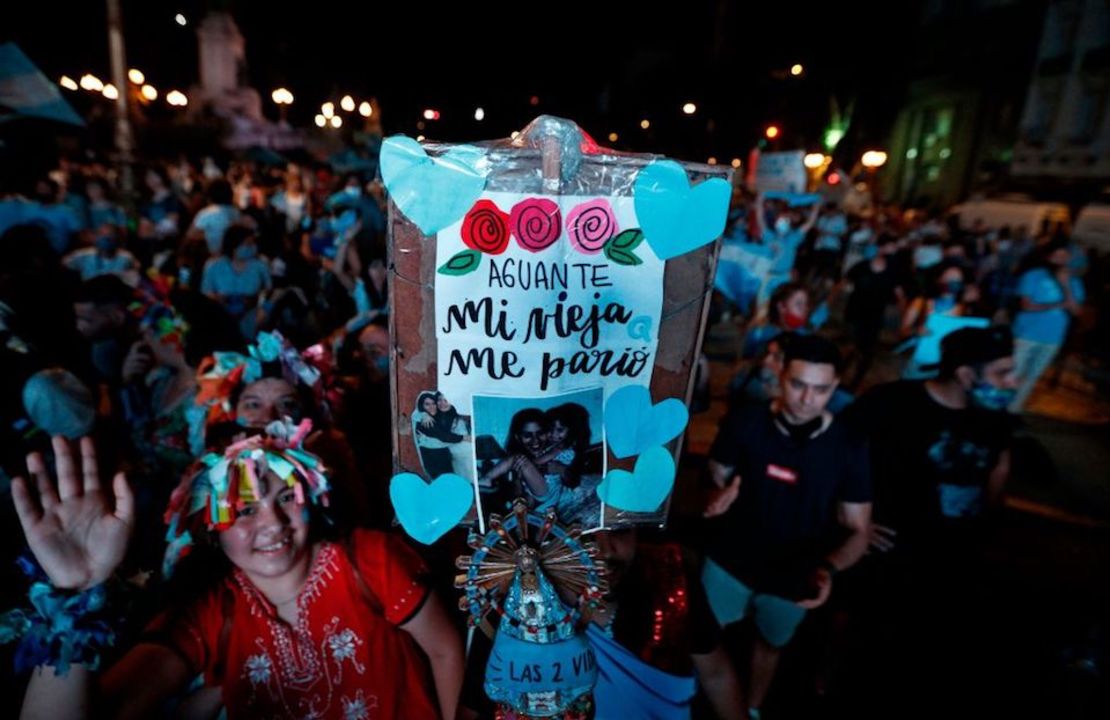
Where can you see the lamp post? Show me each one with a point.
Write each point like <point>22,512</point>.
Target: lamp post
<point>125,143</point>
<point>283,99</point>
<point>873,160</point>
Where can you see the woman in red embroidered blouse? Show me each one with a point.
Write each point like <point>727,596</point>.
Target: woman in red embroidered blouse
<point>297,628</point>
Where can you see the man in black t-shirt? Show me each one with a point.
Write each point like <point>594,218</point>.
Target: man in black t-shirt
<point>793,506</point>
<point>940,447</point>
<point>924,597</point>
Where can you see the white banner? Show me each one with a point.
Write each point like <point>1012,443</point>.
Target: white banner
<point>781,171</point>
<point>530,300</point>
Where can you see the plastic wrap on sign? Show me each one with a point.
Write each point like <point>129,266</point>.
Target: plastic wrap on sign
<point>537,266</point>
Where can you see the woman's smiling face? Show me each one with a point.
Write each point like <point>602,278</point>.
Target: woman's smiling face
<point>532,438</point>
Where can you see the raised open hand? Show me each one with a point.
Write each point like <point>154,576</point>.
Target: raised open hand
<point>75,530</point>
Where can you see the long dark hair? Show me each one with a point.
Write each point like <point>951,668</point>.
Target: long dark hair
<point>520,419</point>
<point>577,421</point>
<point>422,397</point>
<point>445,418</point>
<point>781,295</point>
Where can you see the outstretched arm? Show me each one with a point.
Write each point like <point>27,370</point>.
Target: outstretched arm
<point>812,219</point>
<point>78,532</point>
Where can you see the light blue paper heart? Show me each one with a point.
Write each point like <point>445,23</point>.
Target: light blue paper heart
<point>431,192</point>
<point>633,424</point>
<point>644,489</point>
<point>675,217</point>
<point>428,510</point>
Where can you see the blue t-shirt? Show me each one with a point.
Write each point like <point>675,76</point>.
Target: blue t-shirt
<point>785,248</point>
<point>832,229</point>
<point>221,278</point>
<point>214,221</point>
<point>1045,326</point>
<point>58,221</point>
<point>105,214</point>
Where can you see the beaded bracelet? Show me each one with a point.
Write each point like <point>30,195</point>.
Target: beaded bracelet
<point>65,628</point>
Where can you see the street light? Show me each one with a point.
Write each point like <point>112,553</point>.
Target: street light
<point>347,103</point>
<point>149,93</point>
<point>796,69</point>
<point>336,121</point>
<point>283,99</point>
<point>177,98</point>
<point>772,132</point>
<point>321,121</point>
<point>180,19</point>
<point>613,137</point>
<point>645,124</point>
<point>68,83</point>
<point>136,76</point>
<point>328,110</point>
<point>873,159</point>
<point>712,161</point>
<point>91,83</point>
<point>479,114</point>
<point>431,114</point>
<point>110,91</point>
<point>365,109</point>
<point>736,162</point>
<point>689,108</point>
<point>813,160</point>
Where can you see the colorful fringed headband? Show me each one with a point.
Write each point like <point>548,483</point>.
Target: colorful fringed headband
<point>217,486</point>
<point>219,374</point>
<point>154,311</point>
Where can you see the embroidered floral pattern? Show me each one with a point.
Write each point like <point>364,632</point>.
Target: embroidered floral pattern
<point>342,645</point>
<point>258,669</point>
<point>358,707</point>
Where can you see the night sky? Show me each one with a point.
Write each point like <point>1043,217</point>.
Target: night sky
<point>606,65</point>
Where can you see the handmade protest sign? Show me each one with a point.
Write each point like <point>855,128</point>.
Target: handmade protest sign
<point>782,171</point>
<point>528,301</point>
<point>547,294</point>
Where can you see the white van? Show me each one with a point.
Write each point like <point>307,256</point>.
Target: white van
<point>998,213</point>
<point>1092,228</point>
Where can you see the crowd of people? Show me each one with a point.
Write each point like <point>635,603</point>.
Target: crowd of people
<point>223,345</point>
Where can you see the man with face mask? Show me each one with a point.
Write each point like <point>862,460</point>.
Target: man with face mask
<point>940,447</point>
<point>784,238</point>
<point>792,495</point>
<point>352,195</point>
<point>940,453</point>
<point>106,257</point>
